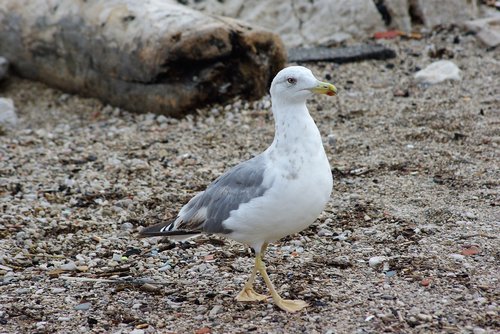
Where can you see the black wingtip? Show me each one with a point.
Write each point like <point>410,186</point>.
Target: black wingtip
<point>156,231</point>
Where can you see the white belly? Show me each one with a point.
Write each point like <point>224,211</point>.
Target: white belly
<point>298,195</point>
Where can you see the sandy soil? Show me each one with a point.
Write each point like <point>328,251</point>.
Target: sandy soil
<point>408,244</point>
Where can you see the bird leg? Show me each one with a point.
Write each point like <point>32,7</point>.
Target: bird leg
<point>248,294</point>
<point>284,304</point>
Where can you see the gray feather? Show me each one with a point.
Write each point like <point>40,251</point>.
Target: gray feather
<point>207,211</point>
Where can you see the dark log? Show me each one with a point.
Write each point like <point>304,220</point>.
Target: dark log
<point>144,56</point>
<point>341,54</point>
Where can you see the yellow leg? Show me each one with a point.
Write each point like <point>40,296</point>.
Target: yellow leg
<point>284,304</point>
<point>248,294</point>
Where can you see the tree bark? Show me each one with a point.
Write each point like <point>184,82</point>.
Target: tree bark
<point>144,56</point>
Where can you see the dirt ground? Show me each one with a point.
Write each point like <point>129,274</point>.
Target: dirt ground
<point>409,242</point>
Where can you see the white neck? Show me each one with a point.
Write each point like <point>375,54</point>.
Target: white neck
<point>295,129</point>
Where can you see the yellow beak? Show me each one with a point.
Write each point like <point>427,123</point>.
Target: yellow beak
<point>325,88</point>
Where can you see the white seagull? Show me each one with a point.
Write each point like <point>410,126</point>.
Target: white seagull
<point>278,192</point>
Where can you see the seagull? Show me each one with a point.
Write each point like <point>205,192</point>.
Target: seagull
<point>279,192</point>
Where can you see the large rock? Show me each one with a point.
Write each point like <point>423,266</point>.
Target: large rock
<point>145,56</point>
<point>301,22</point>
<point>433,13</point>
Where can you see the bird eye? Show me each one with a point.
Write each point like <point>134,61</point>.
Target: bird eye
<point>291,81</point>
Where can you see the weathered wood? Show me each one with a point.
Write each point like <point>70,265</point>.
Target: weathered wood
<point>145,56</point>
<point>342,54</point>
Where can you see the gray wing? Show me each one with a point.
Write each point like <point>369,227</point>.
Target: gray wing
<point>207,210</point>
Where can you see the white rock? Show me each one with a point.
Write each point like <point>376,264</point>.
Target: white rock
<point>458,257</point>
<point>433,13</point>
<point>70,266</point>
<point>297,21</point>
<point>127,226</point>
<point>376,260</point>
<point>478,330</point>
<point>83,306</point>
<point>57,290</point>
<point>437,72</point>
<point>117,257</point>
<point>137,331</point>
<point>487,30</point>
<point>8,116</point>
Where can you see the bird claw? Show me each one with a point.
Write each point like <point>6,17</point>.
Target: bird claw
<point>249,295</point>
<point>291,305</point>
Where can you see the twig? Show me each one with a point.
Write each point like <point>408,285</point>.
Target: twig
<point>114,281</point>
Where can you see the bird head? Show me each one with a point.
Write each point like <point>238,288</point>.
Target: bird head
<point>296,83</point>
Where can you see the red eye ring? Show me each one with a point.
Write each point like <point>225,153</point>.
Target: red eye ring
<point>291,81</point>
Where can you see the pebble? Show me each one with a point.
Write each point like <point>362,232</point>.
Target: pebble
<point>58,290</point>
<point>424,317</point>
<point>83,306</point>
<point>117,257</point>
<point>161,119</point>
<point>70,266</point>
<point>325,232</point>
<point>470,215</point>
<point>478,330</point>
<point>458,257</point>
<point>437,72</point>
<point>376,260</point>
<point>215,310</point>
<point>8,115</point>
<point>165,267</point>
<point>332,140</point>
<point>137,331</point>
<point>127,226</point>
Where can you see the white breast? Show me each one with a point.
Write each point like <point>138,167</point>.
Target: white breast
<point>301,186</point>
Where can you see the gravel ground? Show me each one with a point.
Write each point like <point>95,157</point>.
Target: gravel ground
<point>409,242</point>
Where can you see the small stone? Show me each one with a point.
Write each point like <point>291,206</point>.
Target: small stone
<point>437,72</point>
<point>64,318</point>
<point>136,306</point>
<point>215,310</point>
<point>58,290</point>
<point>137,331</point>
<point>83,306</point>
<point>367,218</point>
<point>165,267</point>
<point>127,226</point>
<point>478,330</point>
<point>457,257</point>
<point>117,257</point>
<point>332,140</point>
<point>426,281</point>
<point>424,317</point>
<point>470,215</point>
<point>376,260</point>
<point>325,232</point>
<point>161,119</point>
<point>41,324</point>
<point>70,266</point>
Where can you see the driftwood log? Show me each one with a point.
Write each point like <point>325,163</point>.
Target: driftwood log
<point>144,56</point>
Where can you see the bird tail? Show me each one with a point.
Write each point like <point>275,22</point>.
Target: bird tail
<point>165,229</point>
